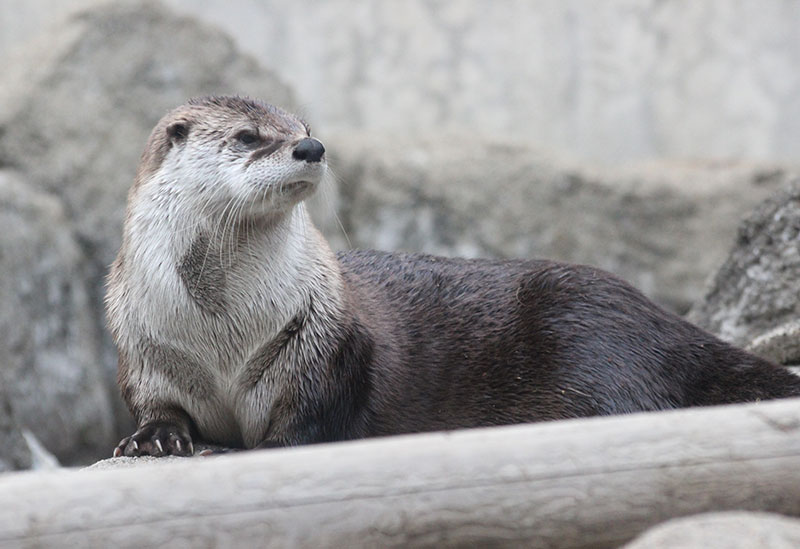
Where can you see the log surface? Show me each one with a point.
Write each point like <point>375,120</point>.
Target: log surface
<point>581,483</point>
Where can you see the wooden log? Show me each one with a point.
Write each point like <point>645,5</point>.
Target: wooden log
<point>582,483</point>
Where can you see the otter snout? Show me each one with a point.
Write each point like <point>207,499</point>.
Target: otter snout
<point>308,149</point>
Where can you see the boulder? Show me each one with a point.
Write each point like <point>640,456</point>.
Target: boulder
<point>662,226</point>
<point>731,530</point>
<point>51,379</point>
<point>753,299</point>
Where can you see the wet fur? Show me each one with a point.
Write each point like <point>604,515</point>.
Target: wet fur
<point>480,342</point>
<point>237,325</point>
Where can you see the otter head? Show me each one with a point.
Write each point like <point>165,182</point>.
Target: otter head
<point>233,153</point>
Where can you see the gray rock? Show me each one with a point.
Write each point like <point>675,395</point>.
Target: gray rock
<point>753,299</point>
<point>780,344</point>
<point>14,452</point>
<point>41,458</point>
<point>77,107</point>
<point>663,226</point>
<point>51,376</point>
<point>610,80</point>
<point>731,530</point>
<point>201,452</point>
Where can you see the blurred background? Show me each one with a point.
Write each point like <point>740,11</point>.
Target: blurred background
<point>608,81</point>
<point>630,134</point>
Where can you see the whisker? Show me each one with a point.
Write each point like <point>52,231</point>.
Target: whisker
<point>328,200</point>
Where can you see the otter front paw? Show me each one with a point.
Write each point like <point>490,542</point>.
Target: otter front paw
<point>156,439</point>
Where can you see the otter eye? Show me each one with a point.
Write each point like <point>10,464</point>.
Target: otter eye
<point>247,137</point>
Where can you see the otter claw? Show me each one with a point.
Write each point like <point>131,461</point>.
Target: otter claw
<point>157,439</point>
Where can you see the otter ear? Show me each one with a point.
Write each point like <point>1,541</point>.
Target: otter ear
<point>178,131</point>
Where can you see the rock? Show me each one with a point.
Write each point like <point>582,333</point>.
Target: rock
<point>781,344</point>
<point>662,226</point>
<point>41,458</point>
<point>77,107</point>
<point>131,462</point>
<point>51,379</point>
<point>753,299</point>
<point>202,451</point>
<point>14,452</point>
<point>676,79</point>
<point>731,530</point>
<point>672,79</point>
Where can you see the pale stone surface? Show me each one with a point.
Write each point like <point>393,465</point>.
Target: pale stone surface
<point>610,80</point>
<point>754,299</point>
<point>662,226</point>
<point>733,530</point>
<point>51,378</point>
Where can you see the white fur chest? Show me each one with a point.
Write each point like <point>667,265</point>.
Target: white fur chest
<point>265,286</point>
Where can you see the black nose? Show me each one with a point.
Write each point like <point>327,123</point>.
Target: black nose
<point>309,149</point>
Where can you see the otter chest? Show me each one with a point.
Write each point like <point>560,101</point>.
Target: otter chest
<point>224,375</point>
<point>235,404</point>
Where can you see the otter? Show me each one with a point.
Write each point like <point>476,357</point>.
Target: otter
<point>237,325</point>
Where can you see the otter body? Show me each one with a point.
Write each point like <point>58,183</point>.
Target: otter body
<point>237,325</point>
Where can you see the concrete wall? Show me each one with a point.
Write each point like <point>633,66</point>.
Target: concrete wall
<point>607,81</point>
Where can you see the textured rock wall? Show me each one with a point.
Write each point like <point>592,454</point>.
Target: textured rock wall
<point>617,79</point>
<point>754,298</point>
<point>663,226</point>
<point>52,380</point>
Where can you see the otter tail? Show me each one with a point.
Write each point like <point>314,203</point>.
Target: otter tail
<point>747,379</point>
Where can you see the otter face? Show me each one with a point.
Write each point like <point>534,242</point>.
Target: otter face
<point>232,152</point>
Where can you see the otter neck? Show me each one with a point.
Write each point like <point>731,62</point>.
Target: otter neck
<point>245,278</point>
